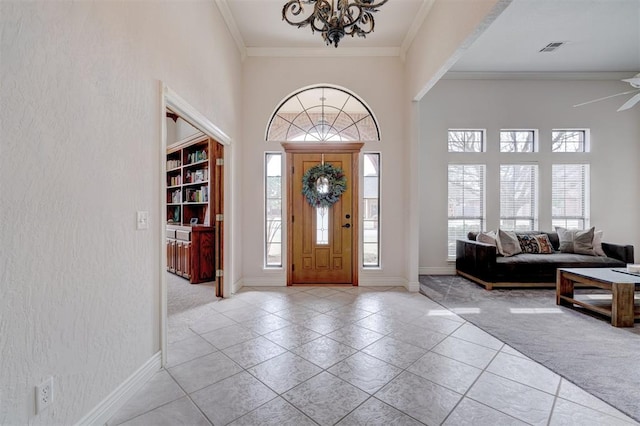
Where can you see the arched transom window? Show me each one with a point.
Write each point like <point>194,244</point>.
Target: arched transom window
<point>323,114</point>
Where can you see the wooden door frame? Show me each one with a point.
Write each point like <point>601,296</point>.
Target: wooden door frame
<point>352,148</point>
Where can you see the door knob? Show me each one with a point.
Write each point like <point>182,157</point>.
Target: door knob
<point>348,225</point>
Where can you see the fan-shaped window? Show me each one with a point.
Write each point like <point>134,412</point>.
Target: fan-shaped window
<point>323,114</point>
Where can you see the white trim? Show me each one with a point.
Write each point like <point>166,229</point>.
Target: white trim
<point>422,14</point>
<point>322,52</point>
<point>276,281</point>
<point>413,287</point>
<point>163,227</point>
<point>470,75</point>
<point>223,7</point>
<point>437,270</point>
<point>365,280</point>
<point>171,100</point>
<point>192,116</point>
<point>116,399</point>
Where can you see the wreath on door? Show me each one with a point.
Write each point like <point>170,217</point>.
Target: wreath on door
<point>322,185</point>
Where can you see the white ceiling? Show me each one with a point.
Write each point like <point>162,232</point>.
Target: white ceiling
<point>601,35</point>
<point>260,25</point>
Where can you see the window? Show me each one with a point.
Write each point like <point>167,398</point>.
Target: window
<point>461,140</point>
<point>569,195</point>
<point>371,210</point>
<point>273,210</point>
<point>518,197</point>
<point>517,140</point>
<point>323,113</point>
<point>466,202</point>
<point>569,141</point>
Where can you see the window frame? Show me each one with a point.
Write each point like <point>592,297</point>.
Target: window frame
<point>483,207</point>
<point>534,199</point>
<point>265,234</point>
<point>483,142</point>
<point>585,200</point>
<point>378,265</point>
<point>534,142</point>
<point>586,140</point>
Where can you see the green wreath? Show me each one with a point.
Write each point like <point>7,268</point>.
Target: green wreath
<point>323,185</point>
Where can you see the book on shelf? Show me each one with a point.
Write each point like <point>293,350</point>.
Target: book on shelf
<point>173,164</point>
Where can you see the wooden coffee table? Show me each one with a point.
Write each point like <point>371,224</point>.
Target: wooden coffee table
<point>621,309</point>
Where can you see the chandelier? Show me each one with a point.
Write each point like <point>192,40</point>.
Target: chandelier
<point>349,17</point>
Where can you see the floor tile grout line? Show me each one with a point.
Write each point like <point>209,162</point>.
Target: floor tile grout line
<point>191,399</point>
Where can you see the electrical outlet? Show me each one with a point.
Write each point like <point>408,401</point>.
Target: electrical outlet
<point>44,395</point>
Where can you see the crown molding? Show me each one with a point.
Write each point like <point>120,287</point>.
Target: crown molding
<point>421,16</point>
<point>513,75</point>
<point>326,52</point>
<point>223,7</point>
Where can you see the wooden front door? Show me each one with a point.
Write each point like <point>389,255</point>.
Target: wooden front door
<point>323,242</point>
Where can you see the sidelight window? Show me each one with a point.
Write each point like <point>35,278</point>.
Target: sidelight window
<point>273,210</point>
<point>371,210</point>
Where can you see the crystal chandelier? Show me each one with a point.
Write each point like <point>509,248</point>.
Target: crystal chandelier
<point>349,17</point>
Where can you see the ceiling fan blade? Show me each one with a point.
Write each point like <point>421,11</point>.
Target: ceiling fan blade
<point>631,102</point>
<point>606,97</point>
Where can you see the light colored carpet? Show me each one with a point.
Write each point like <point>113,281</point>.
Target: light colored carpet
<point>586,350</point>
<point>183,296</point>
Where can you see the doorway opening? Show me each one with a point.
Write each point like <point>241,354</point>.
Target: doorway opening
<point>192,209</point>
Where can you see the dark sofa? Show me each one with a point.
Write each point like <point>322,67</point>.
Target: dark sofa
<point>481,263</point>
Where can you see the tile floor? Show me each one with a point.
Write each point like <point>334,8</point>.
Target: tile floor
<point>348,356</point>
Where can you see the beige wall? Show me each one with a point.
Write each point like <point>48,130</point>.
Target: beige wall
<point>378,81</point>
<point>530,104</point>
<point>79,285</point>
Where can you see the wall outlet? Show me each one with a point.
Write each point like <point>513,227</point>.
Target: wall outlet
<point>44,395</point>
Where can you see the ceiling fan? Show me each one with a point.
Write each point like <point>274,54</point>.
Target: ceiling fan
<point>635,83</point>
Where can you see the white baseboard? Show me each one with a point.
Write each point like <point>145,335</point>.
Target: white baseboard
<point>116,399</point>
<point>413,287</point>
<point>264,282</point>
<point>375,281</point>
<point>437,270</point>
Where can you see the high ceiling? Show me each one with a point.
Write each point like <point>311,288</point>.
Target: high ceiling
<point>600,35</point>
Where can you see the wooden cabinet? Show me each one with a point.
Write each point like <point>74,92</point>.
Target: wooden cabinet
<point>191,252</point>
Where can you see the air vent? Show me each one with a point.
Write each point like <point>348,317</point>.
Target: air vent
<point>552,47</point>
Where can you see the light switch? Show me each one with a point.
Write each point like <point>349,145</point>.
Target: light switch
<point>142,220</point>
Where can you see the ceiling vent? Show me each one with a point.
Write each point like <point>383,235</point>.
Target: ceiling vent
<point>552,47</point>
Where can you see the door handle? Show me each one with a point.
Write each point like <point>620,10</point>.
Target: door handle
<point>348,225</point>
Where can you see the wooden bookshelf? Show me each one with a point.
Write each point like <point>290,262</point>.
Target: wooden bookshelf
<point>192,246</point>
<point>189,177</point>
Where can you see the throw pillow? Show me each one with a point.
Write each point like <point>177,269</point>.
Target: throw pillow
<point>597,244</point>
<point>583,242</point>
<point>487,237</point>
<point>578,241</point>
<point>544,243</point>
<point>507,243</point>
<point>566,239</point>
<point>528,243</point>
